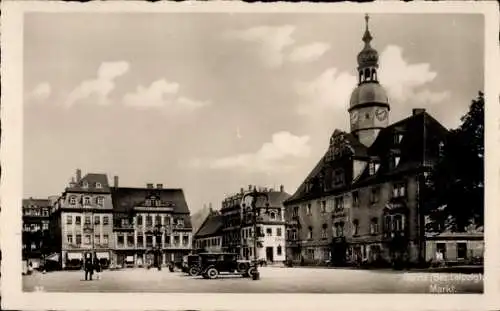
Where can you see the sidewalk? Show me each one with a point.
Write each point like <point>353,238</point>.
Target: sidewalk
<point>466,269</point>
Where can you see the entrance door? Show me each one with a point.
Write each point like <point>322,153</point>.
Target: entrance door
<point>269,254</point>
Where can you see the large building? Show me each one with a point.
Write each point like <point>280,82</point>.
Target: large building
<point>35,237</point>
<point>152,225</point>
<point>361,202</point>
<point>238,234</point>
<point>82,220</point>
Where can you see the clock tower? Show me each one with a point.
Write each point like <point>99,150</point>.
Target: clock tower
<point>369,105</point>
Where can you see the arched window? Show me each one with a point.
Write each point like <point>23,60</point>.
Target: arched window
<point>367,74</point>
<point>374,75</point>
<point>72,200</point>
<point>86,200</point>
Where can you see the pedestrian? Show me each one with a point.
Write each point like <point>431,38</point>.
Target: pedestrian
<point>97,267</point>
<point>30,267</point>
<point>89,270</point>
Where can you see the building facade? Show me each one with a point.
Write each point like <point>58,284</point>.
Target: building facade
<point>238,225</point>
<point>152,225</point>
<point>35,237</point>
<point>82,220</point>
<point>209,237</point>
<point>362,202</point>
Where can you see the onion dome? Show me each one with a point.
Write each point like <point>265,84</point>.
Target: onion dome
<point>368,57</point>
<point>368,93</point>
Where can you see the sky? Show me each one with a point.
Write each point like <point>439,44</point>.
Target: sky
<point>211,102</point>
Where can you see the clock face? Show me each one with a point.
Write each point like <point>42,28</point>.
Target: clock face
<point>381,114</point>
<point>354,116</point>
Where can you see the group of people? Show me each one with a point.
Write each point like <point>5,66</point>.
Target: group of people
<point>91,266</point>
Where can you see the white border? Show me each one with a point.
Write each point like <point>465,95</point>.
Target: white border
<point>11,184</point>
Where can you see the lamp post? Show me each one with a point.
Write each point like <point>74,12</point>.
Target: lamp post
<point>255,213</point>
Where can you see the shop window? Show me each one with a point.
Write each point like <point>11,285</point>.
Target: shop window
<point>461,250</point>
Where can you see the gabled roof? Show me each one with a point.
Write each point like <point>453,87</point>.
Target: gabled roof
<point>91,180</point>
<point>421,133</point>
<point>212,226</point>
<point>276,198</point>
<point>125,198</point>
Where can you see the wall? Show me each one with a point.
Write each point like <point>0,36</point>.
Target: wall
<point>475,248</point>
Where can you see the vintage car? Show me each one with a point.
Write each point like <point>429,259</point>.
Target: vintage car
<point>213,264</point>
<point>190,264</point>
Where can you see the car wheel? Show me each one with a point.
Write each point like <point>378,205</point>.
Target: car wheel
<point>193,271</point>
<point>242,267</point>
<point>212,273</point>
<point>251,271</point>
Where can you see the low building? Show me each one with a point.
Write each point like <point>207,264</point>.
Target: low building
<point>209,237</point>
<point>35,238</point>
<point>152,225</point>
<point>456,247</point>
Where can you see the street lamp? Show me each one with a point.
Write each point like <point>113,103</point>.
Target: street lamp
<point>255,213</point>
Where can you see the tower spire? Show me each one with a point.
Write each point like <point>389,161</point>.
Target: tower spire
<point>367,37</point>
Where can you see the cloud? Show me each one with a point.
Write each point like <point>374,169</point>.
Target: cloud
<point>273,41</point>
<point>309,52</point>
<point>272,156</point>
<point>101,86</point>
<point>404,82</point>
<point>42,91</point>
<point>161,94</point>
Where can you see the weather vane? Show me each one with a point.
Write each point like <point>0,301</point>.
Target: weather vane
<point>367,19</point>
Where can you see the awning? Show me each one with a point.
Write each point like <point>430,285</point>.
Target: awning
<point>102,255</point>
<point>76,256</point>
<point>53,257</point>
<point>130,259</point>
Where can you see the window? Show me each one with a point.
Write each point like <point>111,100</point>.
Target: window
<point>355,224</point>
<point>269,231</point>
<point>374,226</point>
<point>87,220</point>
<point>149,220</point>
<point>85,184</point>
<point>98,185</point>
<point>78,220</point>
<point>398,137</point>
<point>278,232</point>
<point>295,211</point>
<point>272,216</point>
<point>461,250</point>
<point>374,195</point>
<point>130,240</point>
<point>441,149</point>
<point>395,161</point>
<point>167,239</point>
<point>105,220</point>
<point>158,220</point>
<point>180,222</point>
<point>323,207</point>
<point>87,239</point>
<point>120,240</point>
<point>310,233</point>
<point>339,229</point>
<point>140,241</point>
<point>399,190</point>
<point>139,220</point>
<point>166,221</point>
<point>100,201</point>
<point>45,226</point>
<point>355,199</point>
<point>105,240</point>
<point>185,240</point>
<point>294,235</point>
<point>339,203</point>
<point>69,220</point>
<point>323,231</point>
<point>176,240</point>
<point>72,200</point>
<point>279,250</point>
<point>372,168</point>
<point>69,238</point>
<point>97,239</point>
<point>309,211</point>
<point>86,200</point>
<point>398,223</point>
<point>338,177</point>
<point>97,219</point>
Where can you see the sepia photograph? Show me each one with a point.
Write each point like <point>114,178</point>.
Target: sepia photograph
<point>245,150</point>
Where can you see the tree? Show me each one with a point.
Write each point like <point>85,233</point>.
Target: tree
<point>457,182</point>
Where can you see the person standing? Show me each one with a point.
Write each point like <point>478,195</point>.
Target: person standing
<point>97,267</point>
<point>89,270</point>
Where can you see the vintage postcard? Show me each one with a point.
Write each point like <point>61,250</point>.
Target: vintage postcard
<point>205,155</point>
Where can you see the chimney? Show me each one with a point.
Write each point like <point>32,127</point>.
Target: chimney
<point>72,182</point>
<point>416,111</point>
<point>210,206</point>
<point>242,190</point>
<point>159,186</point>
<point>115,182</point>
<point>282,188</point>
<point>149,186</point>
<point>249,187</point>
<point>78,175</point>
